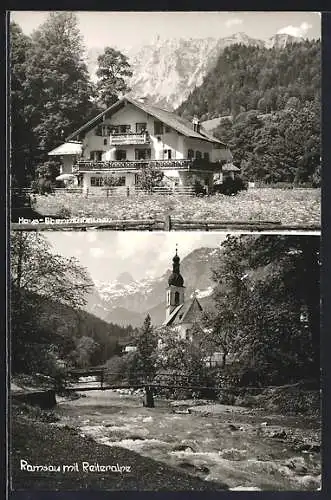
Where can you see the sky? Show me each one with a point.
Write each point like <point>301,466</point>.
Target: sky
<point>107,254</point>
<point>125,30</point>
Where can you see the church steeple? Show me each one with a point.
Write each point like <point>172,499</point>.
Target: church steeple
<point>175,278</point>
<point>175,289</point>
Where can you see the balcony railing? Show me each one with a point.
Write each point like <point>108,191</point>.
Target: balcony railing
<point>136,165</point>
<point>129,138</point>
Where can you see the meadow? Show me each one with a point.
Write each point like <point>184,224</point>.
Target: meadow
<point>297,206</point>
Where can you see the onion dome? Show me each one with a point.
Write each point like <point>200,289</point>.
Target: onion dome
<point>175,278</point>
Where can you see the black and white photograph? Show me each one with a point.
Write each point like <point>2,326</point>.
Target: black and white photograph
<point>165,361</point>
<point>150,120</point>
<point>164,254</point>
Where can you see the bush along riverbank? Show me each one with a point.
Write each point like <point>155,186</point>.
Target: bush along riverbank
<point>54,457</point>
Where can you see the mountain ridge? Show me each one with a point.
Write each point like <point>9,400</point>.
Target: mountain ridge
<point>166,70</point>
<point>128,303</point>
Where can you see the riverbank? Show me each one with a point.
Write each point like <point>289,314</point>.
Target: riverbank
<point>81,463</point>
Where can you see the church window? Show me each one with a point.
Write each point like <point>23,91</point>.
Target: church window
<point>176,298</point>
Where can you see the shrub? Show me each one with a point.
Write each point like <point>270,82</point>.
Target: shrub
<point>42,186</point>
<point>149,177</point>
<point>63,213</point>
<point>199,189</point>
<point>46,174</point>
<point>231,186</point>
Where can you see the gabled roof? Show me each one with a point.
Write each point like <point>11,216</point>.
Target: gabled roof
<point>174,121</point>
<point>230,167</point>
<point>68,148</point>
<point>185,313</point>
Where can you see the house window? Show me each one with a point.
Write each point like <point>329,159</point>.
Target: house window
<point>190,154</point>
<point>141,127</point>
<point>105,142</point>
<point>121,181</point>
<point>96,155</point>
<point>96,181</point>
<point>142,154</point>
<point>198,155</point>
<point>158,128</point>
<point>120,129</point>
<point>120,154</point>
<point>167,154</point>
<point>167,129</point>
<point>105,130</point>
<point>176,298</point>
<point>206,156</point>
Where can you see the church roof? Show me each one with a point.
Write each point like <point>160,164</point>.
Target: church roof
<point>185,313</point>
<point>169,118</point>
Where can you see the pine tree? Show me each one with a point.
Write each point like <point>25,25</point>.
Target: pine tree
<point>143,367</point>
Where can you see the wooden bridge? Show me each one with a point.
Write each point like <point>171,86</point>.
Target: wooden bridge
<point>178,381</point>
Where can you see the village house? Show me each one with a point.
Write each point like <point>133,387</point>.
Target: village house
<point>132,134</point>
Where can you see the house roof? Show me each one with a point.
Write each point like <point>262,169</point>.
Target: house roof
<point>185,313</point>
<point>68,148</point>
<point>174,121</point>
<point>230,167</point>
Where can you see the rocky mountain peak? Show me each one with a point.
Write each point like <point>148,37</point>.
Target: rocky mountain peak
<point>166,70</point>
<point>125,278</point>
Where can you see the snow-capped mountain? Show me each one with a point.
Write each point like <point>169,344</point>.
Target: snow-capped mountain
<point>167,70</point>
<point>127,301</point>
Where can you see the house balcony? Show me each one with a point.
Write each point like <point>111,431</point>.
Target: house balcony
<point>136,165</point>
<point>130,138</point>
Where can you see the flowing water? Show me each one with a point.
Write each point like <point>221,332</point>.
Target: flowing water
<point>243,448</point>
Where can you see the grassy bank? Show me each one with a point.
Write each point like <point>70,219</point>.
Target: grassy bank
<point>288,206</point>
<point>39,443</point>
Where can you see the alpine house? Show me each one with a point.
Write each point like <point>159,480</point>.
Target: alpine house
<point>131,135</point>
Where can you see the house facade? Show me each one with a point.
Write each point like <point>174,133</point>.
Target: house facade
<point>115,146</point>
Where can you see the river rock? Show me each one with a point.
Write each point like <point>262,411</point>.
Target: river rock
<point>279,434</point>
<point>233,454</point>
<point>245,488</point>
<point>309,482</point>
<point>194,468</point>
<point>297,464</point>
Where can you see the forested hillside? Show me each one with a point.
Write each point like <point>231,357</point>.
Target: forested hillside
<point>273,99</point>
<point>250,77</point>
<point>48,323</point>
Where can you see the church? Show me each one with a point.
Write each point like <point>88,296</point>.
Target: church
<point>180,313</point>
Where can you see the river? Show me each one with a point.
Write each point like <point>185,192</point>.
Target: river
<point>246,449</point>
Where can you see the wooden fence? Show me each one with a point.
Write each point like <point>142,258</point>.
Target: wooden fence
<point>166,224</point>
<point>107,192</point>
